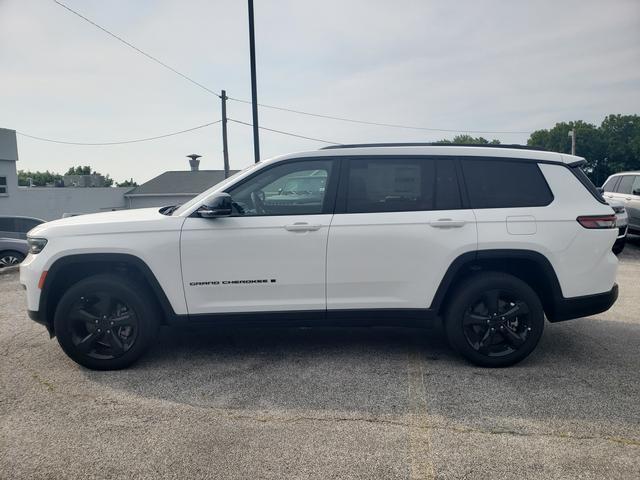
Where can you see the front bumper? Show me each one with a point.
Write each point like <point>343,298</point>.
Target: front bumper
<point>37,317</point>
<point>577,307</point>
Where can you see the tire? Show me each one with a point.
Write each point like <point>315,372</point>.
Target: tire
<point>106,322</point>
<point>517,322</point>
<point>618,247</point>
<point>9,258</point>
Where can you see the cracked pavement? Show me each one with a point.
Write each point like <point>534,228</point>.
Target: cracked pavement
<point>325,403</point>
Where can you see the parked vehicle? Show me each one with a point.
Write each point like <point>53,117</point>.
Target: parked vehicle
<point>12,226</point>
<point>487,239</point>
<point>625,187</point>
<point>12,251</point>
<point>622,224</point>
<point>13,238</point>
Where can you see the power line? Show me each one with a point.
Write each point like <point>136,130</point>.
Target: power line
<point>150,57</point>
<point>65,142</point>
<point>284,109</point>
<point>285,133</point>
<point>364,122</point>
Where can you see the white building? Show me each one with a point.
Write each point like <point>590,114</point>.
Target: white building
<point>50,203</point>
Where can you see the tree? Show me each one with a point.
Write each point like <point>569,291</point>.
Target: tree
<point>86,170</point>
<point>38,179</point>
<point>612,147</point>
<point>469,140</point>
<point>127,183</point>
<point>80,170</point>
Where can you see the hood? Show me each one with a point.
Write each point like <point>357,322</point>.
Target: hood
<point>120,221</point>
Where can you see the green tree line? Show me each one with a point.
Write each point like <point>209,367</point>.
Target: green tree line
<point>613,146</point>
<point>42,179</point>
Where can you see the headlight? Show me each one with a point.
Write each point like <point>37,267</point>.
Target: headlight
<point>36,244</point>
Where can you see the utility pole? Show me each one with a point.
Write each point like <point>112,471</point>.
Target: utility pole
<point>572,134</point>
<point>254,87</point>
<point>225,148</point>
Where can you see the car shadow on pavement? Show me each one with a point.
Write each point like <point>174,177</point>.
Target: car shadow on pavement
<point>582,370</point>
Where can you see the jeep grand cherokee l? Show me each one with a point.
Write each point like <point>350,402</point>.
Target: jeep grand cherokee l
<point>489,240</point>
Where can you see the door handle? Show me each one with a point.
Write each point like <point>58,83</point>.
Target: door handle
<point>302,227</point>
<point>447,223</point>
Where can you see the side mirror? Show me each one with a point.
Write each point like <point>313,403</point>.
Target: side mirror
<point>600,190</point>
<point>219,206</point>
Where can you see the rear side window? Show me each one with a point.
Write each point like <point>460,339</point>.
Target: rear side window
<point>610,185</point>
<point>625,185</point>
<point>401,185</point>
<point>503,184</point>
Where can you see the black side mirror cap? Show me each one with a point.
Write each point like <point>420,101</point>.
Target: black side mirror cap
<point>219,206</point>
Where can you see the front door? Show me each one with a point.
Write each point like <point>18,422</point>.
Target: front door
<point>270,255</point>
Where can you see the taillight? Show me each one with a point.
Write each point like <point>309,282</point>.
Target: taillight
<point>597,221</point>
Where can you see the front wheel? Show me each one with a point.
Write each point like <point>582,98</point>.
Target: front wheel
<point>105,322</point>
<point>494,320</point>
<point>10,258</point>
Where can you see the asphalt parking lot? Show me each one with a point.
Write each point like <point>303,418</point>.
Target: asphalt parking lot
<point>326,403</point>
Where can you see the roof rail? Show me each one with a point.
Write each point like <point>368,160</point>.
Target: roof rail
<point>432,144</point>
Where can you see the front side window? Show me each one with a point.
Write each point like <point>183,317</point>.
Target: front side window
<point>401,185</point>
<point>297,188</point>
<point>625,185</point>
<point>505,184</point>
<point>3,185</point>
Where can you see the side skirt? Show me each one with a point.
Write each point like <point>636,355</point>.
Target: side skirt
<point>317,318</point>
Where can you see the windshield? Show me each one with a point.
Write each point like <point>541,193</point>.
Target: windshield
<point>200,198</point>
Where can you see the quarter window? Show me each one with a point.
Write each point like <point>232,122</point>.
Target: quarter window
<point>503,184</point>
<point>401,184</point>
<point>297,188</point>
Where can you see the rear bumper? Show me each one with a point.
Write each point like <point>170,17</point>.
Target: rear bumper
<point>577,307</point>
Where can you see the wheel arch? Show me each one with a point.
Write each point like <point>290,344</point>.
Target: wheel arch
<point>529,266</point>
<point>68,270</point>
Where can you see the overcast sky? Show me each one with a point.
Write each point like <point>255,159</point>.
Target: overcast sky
<point>464,65</point>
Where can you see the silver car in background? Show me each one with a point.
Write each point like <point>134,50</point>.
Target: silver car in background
<point>625,187</point>
<point>13,238</point>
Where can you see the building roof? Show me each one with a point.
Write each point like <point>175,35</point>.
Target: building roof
<point>183,182</point>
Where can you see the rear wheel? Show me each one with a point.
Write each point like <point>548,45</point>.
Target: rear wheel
<point>494,320</point>
<point>10,258</point>
<point>105,322</point>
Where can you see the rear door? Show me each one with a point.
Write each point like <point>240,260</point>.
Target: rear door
<point>399,223</point>
<point>633,203</point>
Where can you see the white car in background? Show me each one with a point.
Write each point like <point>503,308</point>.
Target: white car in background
<point>622,223</point>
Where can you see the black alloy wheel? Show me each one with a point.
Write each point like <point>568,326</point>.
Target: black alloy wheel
<point>102,326</point>
<point>497,324</point>
<point>106,322</point>
<point>494,319</point>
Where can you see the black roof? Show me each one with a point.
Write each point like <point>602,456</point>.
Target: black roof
<point>180,182</point>
<point>432,144</point>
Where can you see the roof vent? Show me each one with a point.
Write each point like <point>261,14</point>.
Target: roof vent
<point>194,162</point>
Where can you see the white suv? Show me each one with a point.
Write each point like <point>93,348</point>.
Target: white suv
<point>490,240</point>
